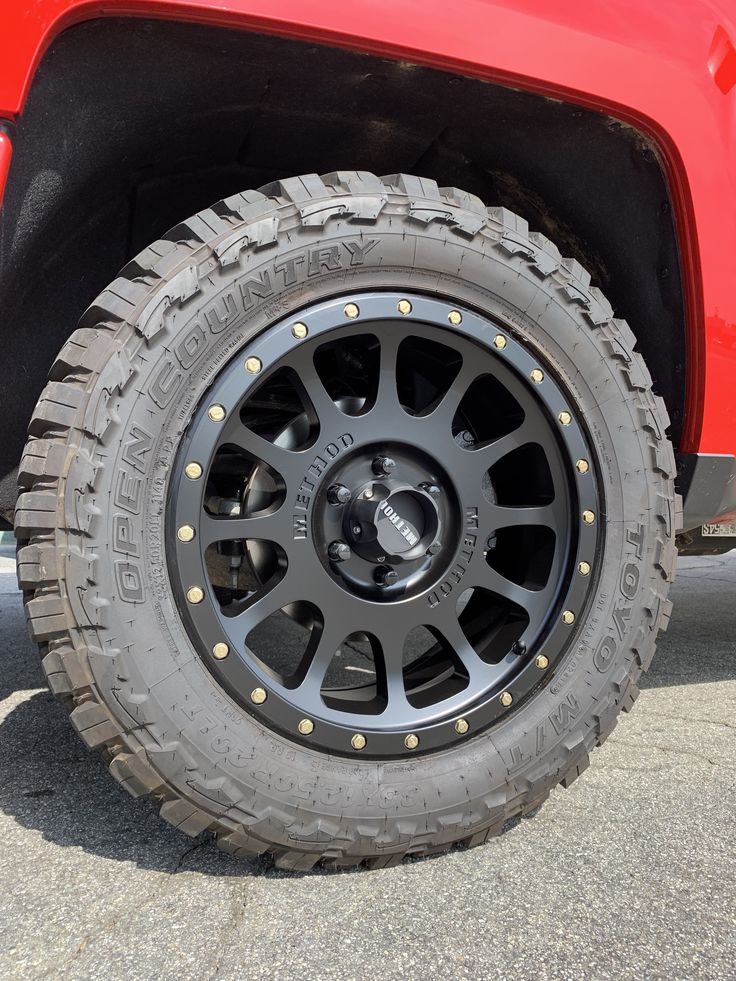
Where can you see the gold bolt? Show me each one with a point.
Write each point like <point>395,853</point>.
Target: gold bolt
<point>216,413</point>
<point>220,651</point>
<point>588,517</point>
<point>500,342</point>
<point>258,696</point>
<point>584,568</point>
<point>299,331</point>
<point>351,312</point>
<point>537,376</point>
<point>253,365</point>
<point>542,661</point>
<point>565,418</point>
<point>461,726</point>
<point>506,698</point>
<point>568,617</point>
<point>403,306</point>
<point>185,533</point>
<point>358,741</point>
<point>411,741</point>
<point>306,727</point>
<point>193,471</point>
<point>195,594</point>
<point>455,318</point>
<point>582,466</point>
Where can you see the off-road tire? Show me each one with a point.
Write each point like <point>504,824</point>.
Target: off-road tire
<point>127,672</point>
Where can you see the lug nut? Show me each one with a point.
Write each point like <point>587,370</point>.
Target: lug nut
<point>385,576</point>
<point>434,548</point>
<point>339,551</point>
<point>383,465</point>
<point>338,494</point>
<point>432,489</point>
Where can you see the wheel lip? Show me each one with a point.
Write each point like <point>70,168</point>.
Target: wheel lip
<point>273,343</point>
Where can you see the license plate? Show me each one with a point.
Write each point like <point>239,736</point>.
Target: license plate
<point>726,530</point>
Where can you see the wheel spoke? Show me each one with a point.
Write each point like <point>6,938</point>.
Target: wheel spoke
<point>262,606</point>
<point>387,396</point>
<point>289,464</point>
<point>493,516</point>
<point>313,391</point>
<point>482,575</point>
<point>272,527</point>
<point>479,673</point>
<point>322,645</point>
<point>443,414</point>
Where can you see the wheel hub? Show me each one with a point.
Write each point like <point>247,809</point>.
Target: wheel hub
<point>393,489</point>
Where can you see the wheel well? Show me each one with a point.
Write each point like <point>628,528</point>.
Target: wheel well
<point>132,125</point>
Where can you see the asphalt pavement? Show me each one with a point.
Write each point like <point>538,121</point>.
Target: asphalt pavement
<point>629,874</point>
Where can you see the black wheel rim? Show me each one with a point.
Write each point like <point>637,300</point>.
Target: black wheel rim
<point>394,475</point>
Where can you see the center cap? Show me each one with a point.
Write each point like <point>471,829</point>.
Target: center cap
<point>392,521</point>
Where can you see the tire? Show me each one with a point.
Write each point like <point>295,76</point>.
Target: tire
<point>116,637</point>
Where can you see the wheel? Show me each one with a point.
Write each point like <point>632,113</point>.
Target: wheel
<point>347,521</point>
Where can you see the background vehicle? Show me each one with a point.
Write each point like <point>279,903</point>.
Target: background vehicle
<point>348,513</point>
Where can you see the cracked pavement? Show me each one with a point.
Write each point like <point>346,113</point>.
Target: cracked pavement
<point>631,873</point>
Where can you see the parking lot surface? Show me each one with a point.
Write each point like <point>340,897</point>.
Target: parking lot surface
<point>631,873</point>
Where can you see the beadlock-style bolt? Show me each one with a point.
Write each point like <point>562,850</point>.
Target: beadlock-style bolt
<point>403,306</point>
<point>500,342</point>
<point>306,727</point>
<point>338,494</point>
<point>193,470</point>
<point>462,726</point>
<point>565,418</point>
<point>351,311</point>
<point>339,551</point>
<point>358,741</point>
<point>383,465</point>
<point>253,365</point>
<point>542,661</point>
<point>506,698</point>
<point>195,594</point>
<point>455,318</point>
<point>584,568</point>
<point>299,331</point>
<point>568,617</point>
<point>258,696</point>
<point>588,517</point>
<point>411,741</point>
<point>220,651</point>
<point>185,533</point>
<point>216,413</point>
<point>582,466</point>
<point>537,376</point>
